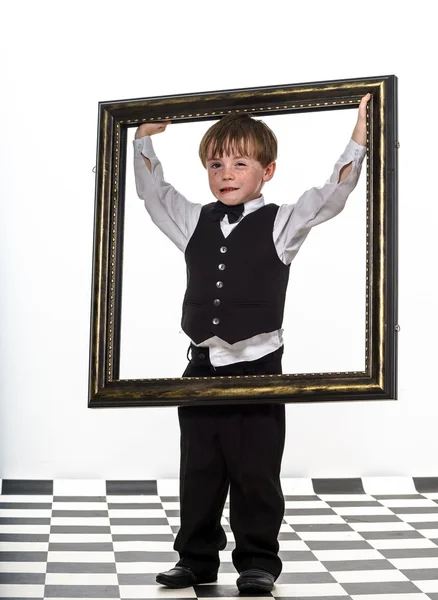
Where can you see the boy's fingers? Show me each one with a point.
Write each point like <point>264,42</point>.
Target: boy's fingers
<point>363,106</point>
<point>162,125</point>
<point>151,128</point>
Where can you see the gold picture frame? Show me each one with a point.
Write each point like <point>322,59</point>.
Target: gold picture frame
<point>379,379</point>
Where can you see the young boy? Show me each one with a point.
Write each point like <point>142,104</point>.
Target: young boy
<point>238,253</point>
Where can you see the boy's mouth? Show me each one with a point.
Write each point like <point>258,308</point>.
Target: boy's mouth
<point>228,189</point>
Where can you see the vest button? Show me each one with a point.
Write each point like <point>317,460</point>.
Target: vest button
<point>216,321</point>
<point>223,249</point>
<point>219,284</point>
<point>221,267</point>
<point>216,302</point>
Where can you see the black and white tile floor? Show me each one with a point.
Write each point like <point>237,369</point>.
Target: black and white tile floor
<point>359,539</point>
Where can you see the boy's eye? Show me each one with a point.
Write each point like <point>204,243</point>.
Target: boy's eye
<point>217,165</point>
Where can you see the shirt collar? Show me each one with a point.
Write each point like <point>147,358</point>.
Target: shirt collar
<point>253,205</point>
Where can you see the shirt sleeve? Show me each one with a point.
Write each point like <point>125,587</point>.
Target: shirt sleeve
<point>169,210</point>
<point>294,221</point>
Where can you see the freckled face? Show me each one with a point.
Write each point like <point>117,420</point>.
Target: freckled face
<point>235,179</point>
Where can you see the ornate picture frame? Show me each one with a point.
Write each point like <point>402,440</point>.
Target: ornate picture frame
<point>379,379</point>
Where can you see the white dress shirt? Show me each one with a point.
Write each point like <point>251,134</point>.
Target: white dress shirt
<point>178,218</point>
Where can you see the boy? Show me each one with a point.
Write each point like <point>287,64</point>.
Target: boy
<point>238,253</point>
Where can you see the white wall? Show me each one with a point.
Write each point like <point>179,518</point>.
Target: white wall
<point>60,61</point>
<point>326,298</point>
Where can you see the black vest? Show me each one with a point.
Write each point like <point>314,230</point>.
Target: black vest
<point>236,286</point>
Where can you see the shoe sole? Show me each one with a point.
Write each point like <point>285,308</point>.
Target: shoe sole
<point>254,587</point>
<point>170,583</point>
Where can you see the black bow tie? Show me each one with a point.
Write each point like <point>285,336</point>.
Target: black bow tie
<point>220,210</point>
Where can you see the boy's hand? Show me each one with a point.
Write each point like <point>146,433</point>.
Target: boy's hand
<point>359,134</point>
<point>151,129</point>
<point>360,131</point>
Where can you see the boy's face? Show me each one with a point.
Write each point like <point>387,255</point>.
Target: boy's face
<point>235,179</point>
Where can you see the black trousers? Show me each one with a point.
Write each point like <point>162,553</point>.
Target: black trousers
<point>237,448</point>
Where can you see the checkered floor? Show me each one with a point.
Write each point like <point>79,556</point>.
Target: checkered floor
<point>67,539</point>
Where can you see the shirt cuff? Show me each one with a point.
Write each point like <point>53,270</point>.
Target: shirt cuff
<point>355,150</point>
<point>144,146</point>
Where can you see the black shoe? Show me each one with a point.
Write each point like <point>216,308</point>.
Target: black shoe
<point>182,577</point>
<point>255,580</point>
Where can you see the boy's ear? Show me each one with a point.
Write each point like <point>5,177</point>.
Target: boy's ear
<point>269,171</point>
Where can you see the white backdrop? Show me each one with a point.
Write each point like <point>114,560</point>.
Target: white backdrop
<point>59,63</point>
<point>324,318</point>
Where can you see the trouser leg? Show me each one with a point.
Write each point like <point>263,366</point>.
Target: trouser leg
<point>243,445</point>
<point>254,448</point>
<point>203,491</point>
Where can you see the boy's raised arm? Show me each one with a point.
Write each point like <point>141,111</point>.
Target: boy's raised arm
<point>169,209</point>
<point>148,129</point>
<point>359,134</point>
<point>319,204</point>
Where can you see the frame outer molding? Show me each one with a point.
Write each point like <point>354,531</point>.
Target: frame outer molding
<point>98,342</point>
<point>378,381</point>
